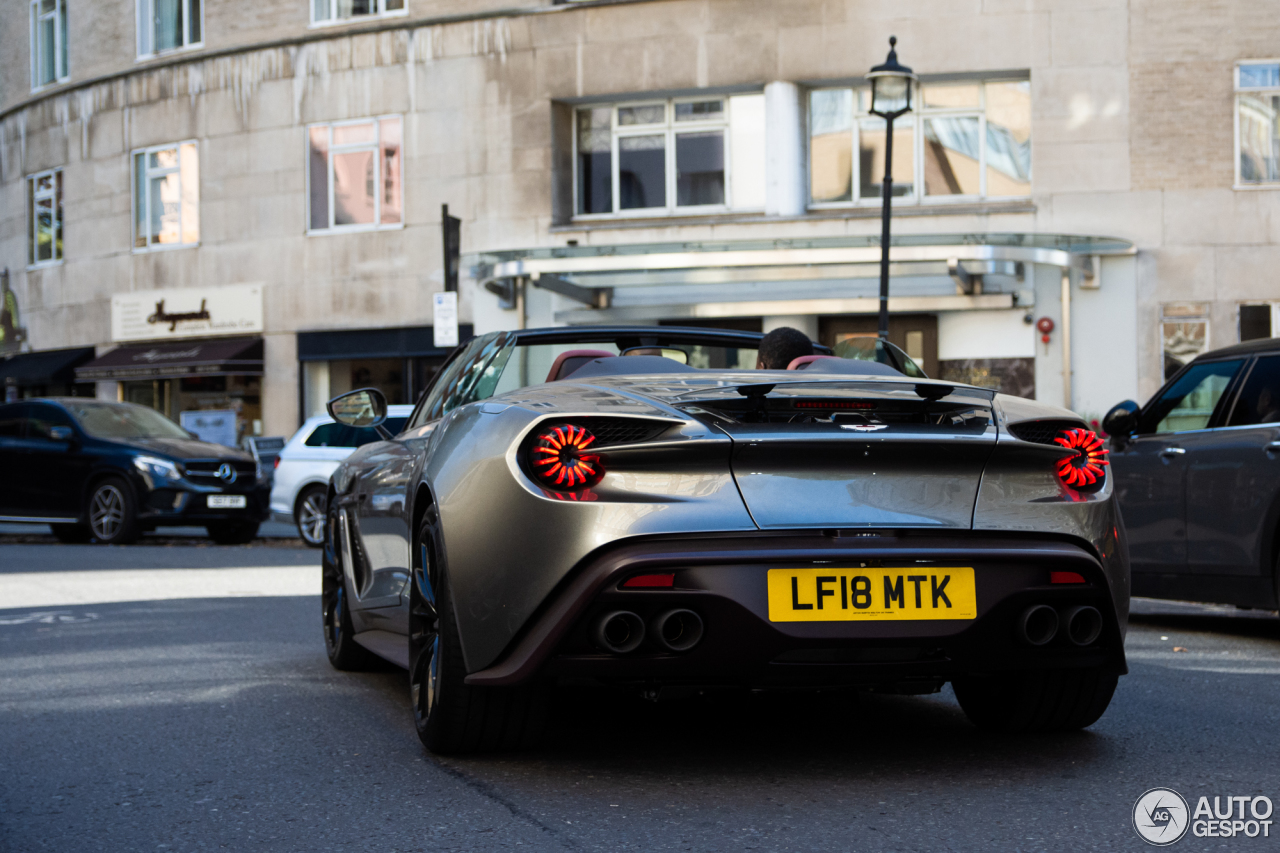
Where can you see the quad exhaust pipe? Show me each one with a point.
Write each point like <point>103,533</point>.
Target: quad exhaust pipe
<point>1039,624</point>
<point>621,631</point>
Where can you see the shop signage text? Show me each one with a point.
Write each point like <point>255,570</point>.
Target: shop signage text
<point>186,313</point>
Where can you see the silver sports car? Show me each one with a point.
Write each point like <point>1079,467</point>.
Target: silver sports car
<point>639,507</point>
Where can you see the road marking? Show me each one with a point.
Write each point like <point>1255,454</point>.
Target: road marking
<point>27,590</point>
<point>47,617</point>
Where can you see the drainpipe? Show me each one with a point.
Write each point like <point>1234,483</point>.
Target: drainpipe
<point>1066,337</point>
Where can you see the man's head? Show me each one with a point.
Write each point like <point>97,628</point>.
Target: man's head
<point>781,346</point>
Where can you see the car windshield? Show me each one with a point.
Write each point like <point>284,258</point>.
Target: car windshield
<point>868,348</point>
<point>123,420</point>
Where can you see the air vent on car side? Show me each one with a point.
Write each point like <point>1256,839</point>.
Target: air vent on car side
<point>1042,432</point>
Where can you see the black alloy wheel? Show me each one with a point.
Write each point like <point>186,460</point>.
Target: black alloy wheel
<point>232,532</point>
<point>112,512</point>
<point>339,635</point>
<point>450,716</point>
<point>309,514</point>
<point>424,633</point>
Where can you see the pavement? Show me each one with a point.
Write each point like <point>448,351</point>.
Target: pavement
<point>207,718</point>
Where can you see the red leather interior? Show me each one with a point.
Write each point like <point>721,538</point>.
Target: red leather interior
<point>804,361</point>
<point>567,362</point>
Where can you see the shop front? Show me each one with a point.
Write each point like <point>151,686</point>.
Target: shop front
<point>193,354</point>
<point>47,373</point>
<point>212,388</point>
<point>400,362</point>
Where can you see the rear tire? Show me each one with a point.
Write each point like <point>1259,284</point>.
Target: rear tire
<point>1050,701</point>
<point>71,534</point>
<point>452,717</point>
<point>232,532</point>
<point>112,512</point>
<point>309,514</point>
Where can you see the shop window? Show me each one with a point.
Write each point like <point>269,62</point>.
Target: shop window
<point>44,218</point>
<point>165,25</point>
<point>166,197</point>
<point>1184,334</point>
<point>48,42</point>
<point>1257,123</point>
<point>354,175</point>
<point>336,11</point>
<point>666,156</point>
<point>966,140</point>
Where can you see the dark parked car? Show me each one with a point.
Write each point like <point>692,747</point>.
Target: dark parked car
<point>1197,473</point>
<point>586,506</point>
<point>108,471</point>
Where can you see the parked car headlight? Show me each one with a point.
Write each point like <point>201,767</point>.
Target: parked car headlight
<point>159,469</point>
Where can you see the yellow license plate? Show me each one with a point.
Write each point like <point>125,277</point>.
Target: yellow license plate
<point>854,595</point>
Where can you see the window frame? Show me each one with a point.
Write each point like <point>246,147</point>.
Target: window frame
<point>669,128</point>
<point>133,209</point>
<point>31,237</point>
<point>1221,409</point>
<point>336,21</point>
<point>1236,91</point>
<point>1274,308</point>
<point>379,181</point>
<point>916,120</point>
<point>145,10</point>
<point>61,54</point>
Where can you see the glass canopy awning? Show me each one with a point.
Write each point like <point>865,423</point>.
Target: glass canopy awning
<point>931,272</point>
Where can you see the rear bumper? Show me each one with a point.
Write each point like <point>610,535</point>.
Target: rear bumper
<point>723,580</point>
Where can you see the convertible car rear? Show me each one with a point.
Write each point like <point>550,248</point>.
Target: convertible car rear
<point>639,521</point>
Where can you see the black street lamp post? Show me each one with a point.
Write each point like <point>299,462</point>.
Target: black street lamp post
<point>890,98</point>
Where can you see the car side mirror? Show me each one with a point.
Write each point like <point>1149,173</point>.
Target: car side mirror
<point>61,433</point>
<point>1122,420</point>
<point>366,407</point>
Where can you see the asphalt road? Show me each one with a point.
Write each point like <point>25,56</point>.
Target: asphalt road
<point>210,720</point>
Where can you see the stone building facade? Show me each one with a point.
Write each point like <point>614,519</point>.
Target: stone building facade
<point>223,204</point>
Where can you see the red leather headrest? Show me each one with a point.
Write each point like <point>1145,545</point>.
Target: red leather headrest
<point>567,362</point>
<point>804,361</point>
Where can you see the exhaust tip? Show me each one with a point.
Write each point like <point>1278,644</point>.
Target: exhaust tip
<point>620,631</point>
<point>677,630</point>
<point>1038,624</point>
<point>1084,625</point>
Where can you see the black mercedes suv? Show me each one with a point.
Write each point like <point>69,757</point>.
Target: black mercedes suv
<point>105,472</point>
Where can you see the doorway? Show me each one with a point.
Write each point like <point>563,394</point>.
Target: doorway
<point>915,334</point>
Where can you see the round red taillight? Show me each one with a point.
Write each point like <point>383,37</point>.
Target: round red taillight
<point>560,458</point>
<point>1085,468</point>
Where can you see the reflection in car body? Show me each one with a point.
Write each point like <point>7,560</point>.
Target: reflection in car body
<point>554,513</point>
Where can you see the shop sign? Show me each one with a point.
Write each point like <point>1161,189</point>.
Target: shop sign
<point>444,319</point>
<point>187,313</point>
<point>216,426</point>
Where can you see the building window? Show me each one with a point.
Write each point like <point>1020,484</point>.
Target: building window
<point>1258,123</point>
<point>165,25</point>
<point>967,140</point>
<point>658,157</point>
<point>48,42</point>
<point>1258,320</point>
<point>166,196</point>
<point>354,175</point>
<point>44,218</point>
<point>334,11</point>
<point>1184,334</point>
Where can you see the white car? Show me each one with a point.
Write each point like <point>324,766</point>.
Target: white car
<point>308,458</point>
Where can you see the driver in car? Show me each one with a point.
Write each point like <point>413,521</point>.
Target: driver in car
<point>782,346</point>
